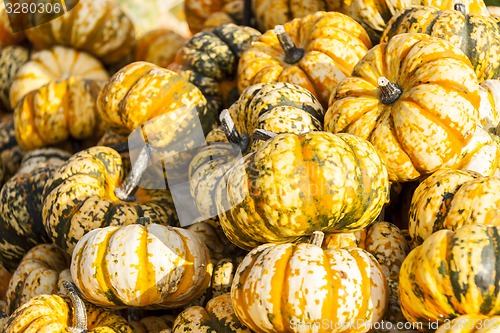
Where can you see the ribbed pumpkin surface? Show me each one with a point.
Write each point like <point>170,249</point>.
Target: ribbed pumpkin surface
<point>433,118</point>
<point>290,287</point>
<point>141,266</point>
<point>159,46</point>
<point>449,199</point>
<point>477,36</point>
<point>11,59</point>
<point>296,184</point>
<point>450,274</point>
<point>79,197</point>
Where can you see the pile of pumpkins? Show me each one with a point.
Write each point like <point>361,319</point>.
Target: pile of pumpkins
<point>347,180</point>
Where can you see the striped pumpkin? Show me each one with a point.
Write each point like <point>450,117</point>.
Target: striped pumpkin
<point>209,60</point>
<point>295,184</point>
<point>59,103</point>
<point>478,36</point>
<point>141,266</point>
<point>53,313</point>
<point>217,316</point>
<point>287,287</point>
<point>437,281</point>
<point>11,59</point>
<point>451,198</point>
<point>394,99</point>
<point>82,195</point>
<point>21,204</point>
<point>38,273</point>
<point>159,46</point>
<point>99,27</point>
<point>11,153</point>
<point>315,52</point>
<point>206,14</point>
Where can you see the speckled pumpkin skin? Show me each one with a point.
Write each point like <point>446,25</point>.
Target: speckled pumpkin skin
<point>52,313</point>
<point>206,14</point>
<point>11,153</point>
<point>21,205</point>
<point>422,130</point>
<point>333,43</point>
<point>437,280</point>
<point>210,58</point>
<point>79,197</point>
<point>217,316</point>
<point>37,274</point>
<point>295,184</point>
<point>489,110</point>
<point>159,46</point>
<point>449,199</point>
<point>11,59</point>
<point>134,265</point>
<point>97,27</point>
<point>276,286</point>
<point>477,35</point>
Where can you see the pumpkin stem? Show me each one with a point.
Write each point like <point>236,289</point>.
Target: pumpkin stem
<point>80,312</point>
<point>127,189</point>
<point>231,132</point>
<point>247,13</point>
<point>317,238</point>
<point>261,134</point>
<point>461,8</point>
<point>293,54</point>
<point>389,92</point>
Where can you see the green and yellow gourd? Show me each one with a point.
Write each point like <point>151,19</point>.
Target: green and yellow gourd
<point>11,59</point>
<point>56,314</point>
<point>451,198</point>
<point>40,272</point>
<point>21,201</point>
<point>150,266</point>
<point>304,288</point>
<point>92,190</point>
<point>394,99</point>
<point>11,153</point>
<point>217,316</point>
<point>210,59</point>
<point>478,36</point>
<point>296,184</point>
<point>437,281</point>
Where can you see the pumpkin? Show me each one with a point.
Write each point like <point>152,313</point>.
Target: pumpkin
<point>21,204</point>
<point>469,323</point>
<point>5,277</point>
<point>53,105</point>
<point>415,98</point>
<point>154,324</point>
<point>489,110</point>
<point>438,283</point>
<point>159,46</point>
<point>303,288</point>
<point>295,184</point>
<point>53,313</point>
<point>7,35</point>
<point>482,153</point>
<point>11,59</point>
<point>37,274</point>
<point>134,265</point>
<point>100,28</point>
<point>90,191</point>
<point>478,36</point>
<point>315,52</point>
<point>217,316</point>
<point>203,14</point>
<point>451,198</point>
<point>209,60</point>
<point>11,153</point>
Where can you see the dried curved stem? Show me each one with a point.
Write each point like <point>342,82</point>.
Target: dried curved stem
<point>389,92</point>
<point>293,54</point>
<point>126,191</point>
<point>263,135</point>
<point>80,312</point>
<point>461,8</point>
<point>232,134</point>
<point>317,238</point>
